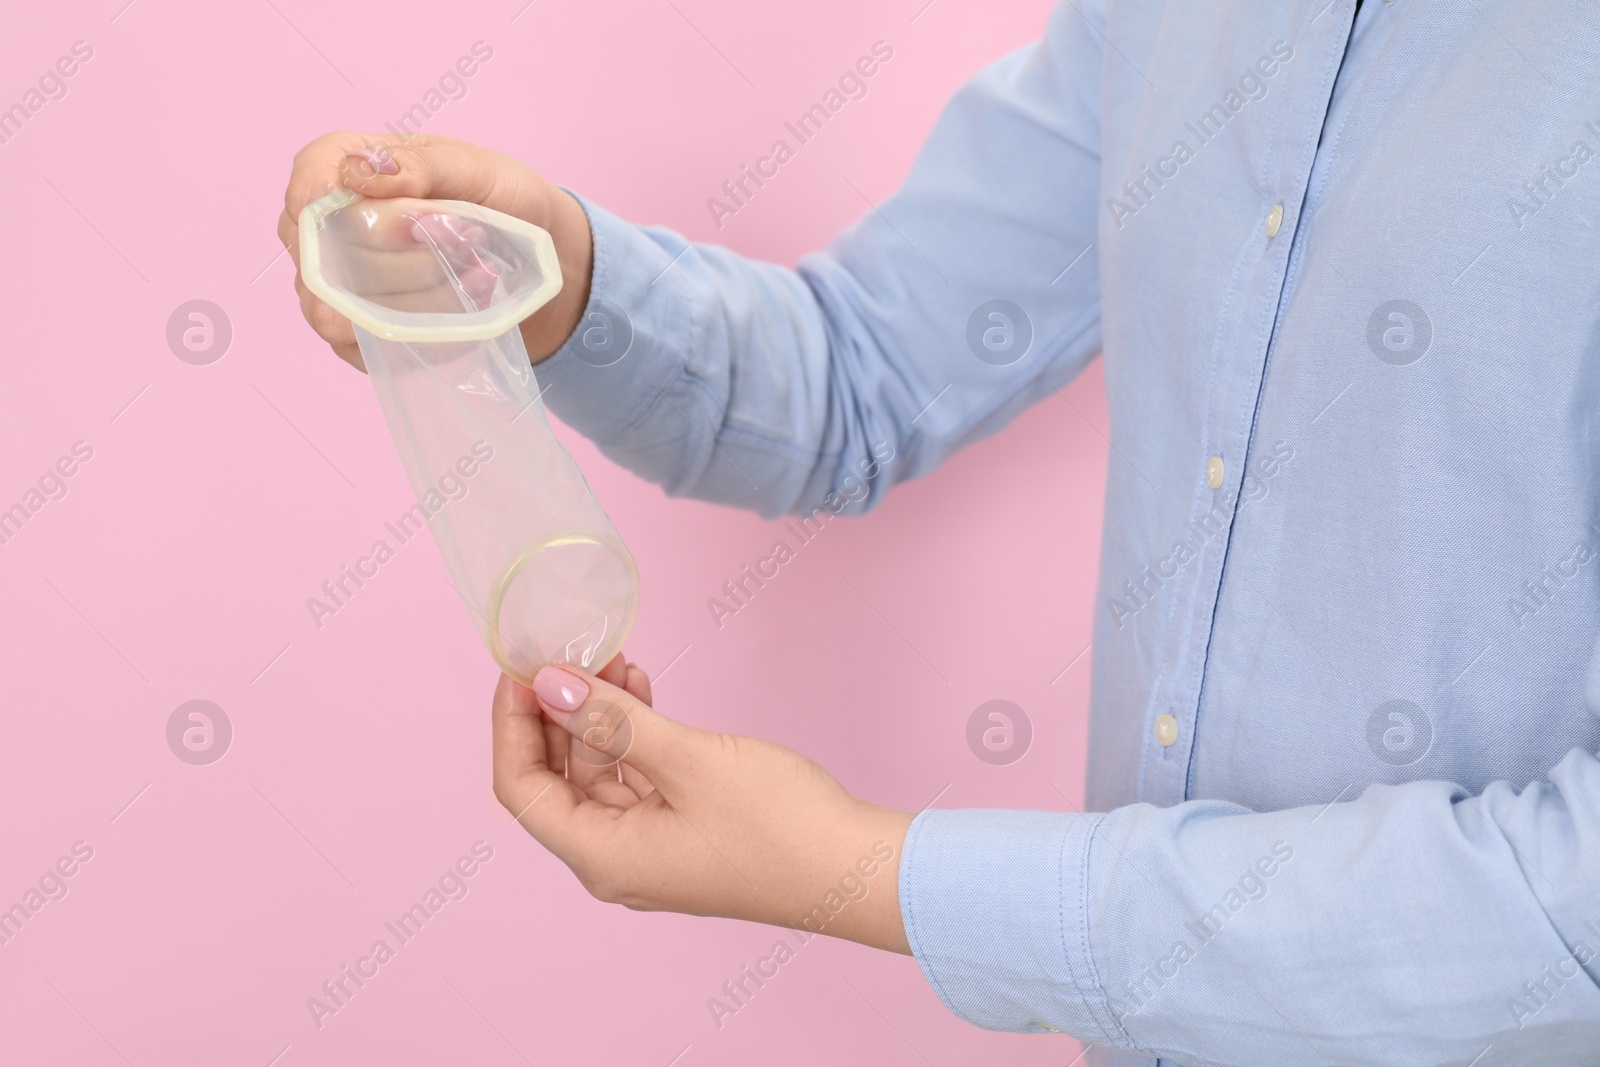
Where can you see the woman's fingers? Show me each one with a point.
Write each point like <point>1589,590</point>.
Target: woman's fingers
<point>638,684</point>
<point>536,796</point>
<point>615,793</point>
<point>438,168</point>
<point>374,272</point>
<point>556,741</point>
<point>618,725</point>
<point>423,166</point>
<point>379,248</point>
<point>329,324</point>
<point>323,166</point>
<point>602,776</point>
<point>576,828</point>
<point>586,767</point>
<point>615,672</point>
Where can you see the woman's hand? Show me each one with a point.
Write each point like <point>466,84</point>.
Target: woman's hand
<point>438,168</point>
<point>697,822</point>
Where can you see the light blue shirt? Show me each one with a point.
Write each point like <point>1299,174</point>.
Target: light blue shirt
<point>1345,273</point>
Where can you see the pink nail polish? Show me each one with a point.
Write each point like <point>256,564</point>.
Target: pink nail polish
<point>380,161</point>
<point>561,690</point>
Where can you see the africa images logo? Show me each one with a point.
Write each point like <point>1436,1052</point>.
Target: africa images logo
<point>852,85</point>
<point>1252,86</point>
<point>453,486</point>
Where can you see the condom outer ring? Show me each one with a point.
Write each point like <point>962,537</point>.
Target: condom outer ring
<point>392,325</point>
<point>515,567</point>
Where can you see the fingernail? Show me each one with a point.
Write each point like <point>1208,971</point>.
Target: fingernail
<point>560,689</point>
<point>380,161</point>
<point>419,233</point>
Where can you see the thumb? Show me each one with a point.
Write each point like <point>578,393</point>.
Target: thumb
<point>617,725</point>
<point>419,165</point>
<point>439,168</point>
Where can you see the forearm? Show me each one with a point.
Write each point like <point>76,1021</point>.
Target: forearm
<point>850,888</point>
<point>701,371</point>
<point>1399,927</point>
<point>786,390</point>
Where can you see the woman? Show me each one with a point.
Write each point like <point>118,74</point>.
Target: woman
<point>1347,696</point>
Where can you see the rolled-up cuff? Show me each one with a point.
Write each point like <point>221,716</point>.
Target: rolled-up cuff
<point>995,909</point>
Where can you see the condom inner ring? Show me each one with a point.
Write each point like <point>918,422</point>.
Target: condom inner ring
<point>608,643</point>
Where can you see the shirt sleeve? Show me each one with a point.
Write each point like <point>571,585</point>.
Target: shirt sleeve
<point>1415,924</point>
<point>751,384</point>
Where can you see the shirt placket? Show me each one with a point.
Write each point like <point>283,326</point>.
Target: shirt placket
<point>1288,154</point>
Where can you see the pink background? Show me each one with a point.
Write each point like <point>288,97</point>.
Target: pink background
<point>179,564</point>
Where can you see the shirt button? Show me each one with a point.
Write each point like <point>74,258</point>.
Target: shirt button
<point>1274,220</point>
<point>1214,472</point>
<point>1166,731</point>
